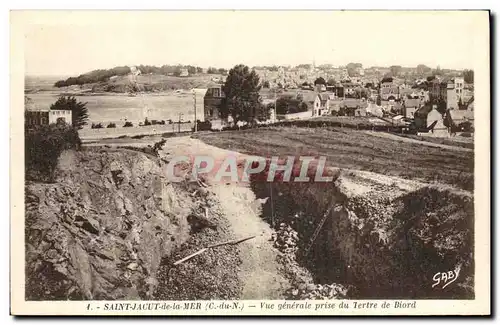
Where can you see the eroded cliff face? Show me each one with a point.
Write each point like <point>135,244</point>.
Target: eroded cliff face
<point>385,237</point>
<point>101,230</point>
<point>395,235</point>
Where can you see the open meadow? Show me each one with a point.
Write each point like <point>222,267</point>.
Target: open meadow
<point>347,148</point>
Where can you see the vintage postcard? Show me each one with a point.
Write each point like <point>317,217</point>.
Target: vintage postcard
<point>250,163</point>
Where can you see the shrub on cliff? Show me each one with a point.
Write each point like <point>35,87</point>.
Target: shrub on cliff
<point>79,110</point>
<point>43,145</point>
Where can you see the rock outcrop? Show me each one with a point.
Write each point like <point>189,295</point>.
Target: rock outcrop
<point>386,237</point>
<point>100,231</point>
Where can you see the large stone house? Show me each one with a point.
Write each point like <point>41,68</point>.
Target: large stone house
<point>35,116</point>
<point>389,91</point>
<point>353,107</point>
<point>321,104</point>
<point>428,117</point>
<point>211,103</point>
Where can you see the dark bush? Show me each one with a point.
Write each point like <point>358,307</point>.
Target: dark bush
<point>43,146</point>
<point>97,126</point>
<point>111,125</point>
<point>128,124</point>
<point>146,121</point>
<point>203,126</point>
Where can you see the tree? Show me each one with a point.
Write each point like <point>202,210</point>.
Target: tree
<point>60,83</point>
<point>177,71</point>
<point>331,82</point>
<point>395,70</point>
<point>423,69</point>
<point>437,71</point>
<point>264,112</point>
<point>242,99</point>
<point>79,111</point>
<point>304,66</point>
<point>43,146</point>
<point>469,76</point>
<point>290,105</point>
<point>265,84</point>
<point>320,81</point>
<point>361,93</point>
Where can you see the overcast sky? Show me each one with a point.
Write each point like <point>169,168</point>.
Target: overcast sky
<point>65,43</point>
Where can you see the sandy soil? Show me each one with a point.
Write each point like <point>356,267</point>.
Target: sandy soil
<point>259,269</point>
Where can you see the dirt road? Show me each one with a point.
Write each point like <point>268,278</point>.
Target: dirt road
<point>259,270</point>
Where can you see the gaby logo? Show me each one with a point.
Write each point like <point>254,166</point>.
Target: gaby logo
<point>446,278</point>
<point>230,168</point>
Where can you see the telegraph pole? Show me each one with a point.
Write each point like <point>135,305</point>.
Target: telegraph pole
<point>195,120</point>
<point>275,101</point>
<point>180,115</point>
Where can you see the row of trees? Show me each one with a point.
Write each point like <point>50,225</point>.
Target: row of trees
<point>212,70</point>
<point>104,74</point>
<point>93,77</point>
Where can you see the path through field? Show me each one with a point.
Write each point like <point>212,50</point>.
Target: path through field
<point>425,143</point>
<point>259,270</point>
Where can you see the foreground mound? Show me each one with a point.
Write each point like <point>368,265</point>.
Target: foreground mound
<point>379,236</point>
<point>100,231</point>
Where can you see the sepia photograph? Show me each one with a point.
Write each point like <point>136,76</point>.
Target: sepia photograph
<point>265,162</point>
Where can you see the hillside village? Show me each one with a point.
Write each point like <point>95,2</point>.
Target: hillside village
<point>417,99</point>
<point>441,102</point>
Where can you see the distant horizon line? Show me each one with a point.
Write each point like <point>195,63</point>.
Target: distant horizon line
<point>250,66</point>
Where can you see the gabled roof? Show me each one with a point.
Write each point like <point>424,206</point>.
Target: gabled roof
<point>424,110</point>
<point>29,105</point>
<point>412,103</point>
<point>390,90</point>
<point>324,96</point>
<point>308,97</point>
<point>353,103</point>
<point>461,115</point>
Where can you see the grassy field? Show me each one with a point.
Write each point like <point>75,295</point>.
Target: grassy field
<point>351,120</point>
<point>346,148</point>
<point>459,141</point>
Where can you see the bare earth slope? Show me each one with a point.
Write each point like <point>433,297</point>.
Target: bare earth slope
<point>390,234</point>
<point>259,269</point>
